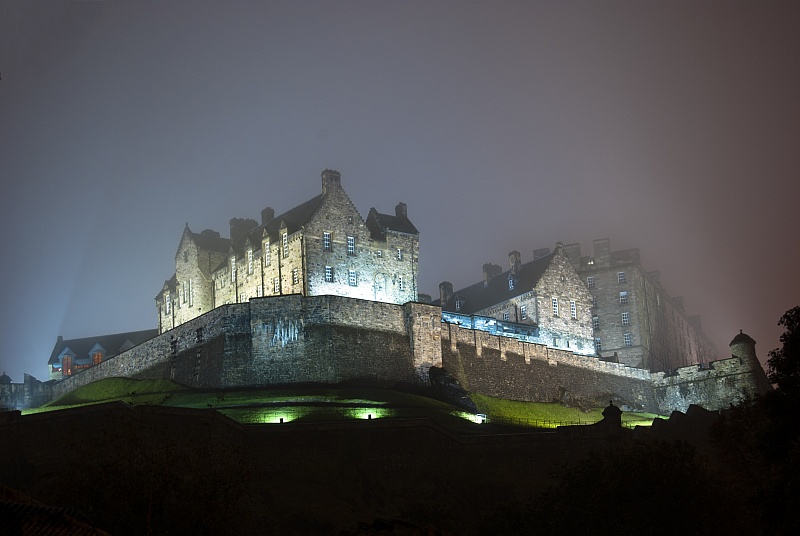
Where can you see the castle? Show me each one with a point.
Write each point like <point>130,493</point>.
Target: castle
<point>320,295</point>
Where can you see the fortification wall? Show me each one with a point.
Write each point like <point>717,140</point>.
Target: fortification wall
<point>506,367</point>
<point>718,386</point>
<point>286,339</point>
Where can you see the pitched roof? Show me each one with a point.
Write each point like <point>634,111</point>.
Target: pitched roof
<point>112,343</point>
<point>211,241</point>
<point>378,224</point>
<point>478,297</point>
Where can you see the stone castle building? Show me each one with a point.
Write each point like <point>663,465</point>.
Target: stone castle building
<point>70,356</point>
<point>321,247</point>
<point>545,295</point>
<point>632,316</point>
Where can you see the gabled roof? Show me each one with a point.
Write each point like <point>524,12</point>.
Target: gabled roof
<point>113,343</point>
<point>478,297</point>
<point>378,224</point>
<point>212,242</point>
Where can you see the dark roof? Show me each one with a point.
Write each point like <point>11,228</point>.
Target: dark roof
<point>742,337</point>
<point>212,242</point>
<point>5,378</point>
<point>477,297</point>
<point>111,343</point>
<point>378,224</point>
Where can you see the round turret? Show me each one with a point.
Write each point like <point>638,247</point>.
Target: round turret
<point>5,379</point>
<point>744,347</point>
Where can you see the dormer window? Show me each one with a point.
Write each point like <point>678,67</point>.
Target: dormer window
<point>459,304</point>
<point>510,283</point>
<point>285,245</point>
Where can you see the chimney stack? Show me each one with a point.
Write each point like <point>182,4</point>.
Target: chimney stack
<point>514,263</point>
<point>331,179</point>
<point>401,210</point>
<point>267,215</point>
<point>445,292</point>
<point>490,271</point>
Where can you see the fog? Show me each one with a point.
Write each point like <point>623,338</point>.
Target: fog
<point>672,126</point>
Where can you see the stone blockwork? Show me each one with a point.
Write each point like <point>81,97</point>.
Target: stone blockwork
<point>31,392</point>
<point>287,339</point>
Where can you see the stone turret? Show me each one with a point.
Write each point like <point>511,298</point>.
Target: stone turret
<point>744,347</point>
<point>445,292</point>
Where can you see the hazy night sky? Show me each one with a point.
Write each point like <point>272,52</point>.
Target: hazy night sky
<point>669,126</point>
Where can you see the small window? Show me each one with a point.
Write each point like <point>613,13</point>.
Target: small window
<point>628,338</point>
<point>400,282</point>
<point>265,250</point>
<point>249,261</point>
<point>184,294</point>
<point>598,345</point>
<point>510,283</point>
<point>554,302</point>
<point>352,279</point>
<point>379,253</point>
<point>505,316</point>
<point>523,312</point>
<point>623,297</point>
<point>326,241</point>
<point>191,294</point>
<point>590,281</point>
<point>276,283</point>
<point>621,277</point>
<point>242,298</point>
<point>329,274</point>
<point>595,322</point>
<point>295,276</point>
<point>459,304</point>
<point>233,269</point>
<point>573,309</point>
<point>167,303</point>
<point>351,245</point>
<point>259,291</point>
<point>97,357</point>
<point>185,256</point>
<point>626,319</point>
<point>594,302</point>
<point>285,245</point>
<point>556,342</point>
<point>399,254</point>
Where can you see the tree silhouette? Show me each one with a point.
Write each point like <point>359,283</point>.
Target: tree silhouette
<point>784,363</point>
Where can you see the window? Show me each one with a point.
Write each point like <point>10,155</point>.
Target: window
<point>573,309</point>
<point>399,254</point>
<point>191,294</point>
<point>510,283</point>
<point>556,342</point>
<point>167,303</point>
<point>626,319</point>
<point>97,357</point>
<point>598,345</point>
<point>352,279</point>
<point>505,316</point>
<point>623,297</point>
<point>295,276</point>
<point>400,282</point>
<point>595,322</point>
<point>326,241</point>
<point>259,291</point>
<point>329,274</point>
<point>594,302</point>
<point>242,298</point>
<point>523,312</point>
<point>285,245</point>
<point>620,277</point>
<point>459,303</point>
<point>351,245</point>
<point>233,269</point>
<point>554,302</point>
<point>628,338</point>
<point>590,281</point>
<point>249,261</point>
<point>183,292</point>
<point>379,253</point>
<point>277,285</point>
<point>265,249</point>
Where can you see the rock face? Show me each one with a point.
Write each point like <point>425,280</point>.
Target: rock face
<point>447,386</point>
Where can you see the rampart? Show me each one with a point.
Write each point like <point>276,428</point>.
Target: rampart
<point>286,339</point>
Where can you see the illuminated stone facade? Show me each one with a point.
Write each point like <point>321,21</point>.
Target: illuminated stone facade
<point>633,317</point>
<point>321,247</point>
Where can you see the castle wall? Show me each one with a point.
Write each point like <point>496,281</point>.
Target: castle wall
<point>506,367</point>
<point>286,339</point>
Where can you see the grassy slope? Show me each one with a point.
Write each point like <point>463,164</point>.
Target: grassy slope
<point>257,406</point>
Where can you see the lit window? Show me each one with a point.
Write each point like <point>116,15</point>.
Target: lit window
<point>233,269</point>
<point>326,241</point>
<point>167,303</point>
<point>598,345</point>
<point>400,282</point>
<point>623,297</point>
<point>505,315</point>
<point>620,277</point>
<point>285,245</point>
<point>399,254</point>
<point>628,338</point>
<point>554,301</point>
<point>523,312</point>
<point>590,281</point>
<point>595,322</point>
<point>295,276</point>
<point>249,261</point>
<point>352,280</point>
<point>329,274</point>
<point>510,283</point>
<point>573,309</point>
<point>379,253</point>
<point>459,303</point>
<point>626,319</point>
<point>97,357</point>
<point>277,285</point>
<point>351,245</point>
<point>265,250</point>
